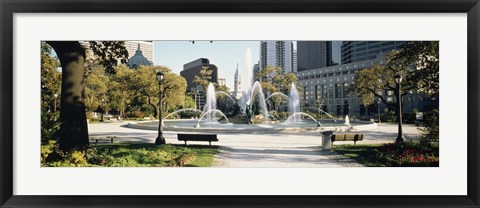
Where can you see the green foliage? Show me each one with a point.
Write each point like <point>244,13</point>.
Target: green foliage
<point>147,88</point>
<point>49,126</point>
<point>189,103</point>
<point>47,149</point>
<point>135,114</point>
<point>119,89</point>
<point>409,154</point>
<point>189,114</point>
<point>431,131</point>
<point>96,86</point>
<point>51,79</point>
<point>389,116</point>
<point>274,79</point>
<point>136,155</point>
<point>424,55</point>
<point>204,78</point>
<point>109,53</point>
<point>373,81</point>
<point>221,88</point>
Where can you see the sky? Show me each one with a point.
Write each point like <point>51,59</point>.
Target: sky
<point>224,54</point>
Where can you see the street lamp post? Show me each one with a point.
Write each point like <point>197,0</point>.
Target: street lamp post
<point>160,139</point>
<point>103,110</point>
<point>378,109</point>
<point>55,103</point>
<point>398,80</point>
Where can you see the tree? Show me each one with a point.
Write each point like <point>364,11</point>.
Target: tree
<point>120,89</point>
<point>424,55</point>
<point>273,79</point>
<point>374,81</point>
<point>189,103</point>
<point>96,86</point>
<point>221,88</point>
<point>204,78</point>
<point>72,55</point>
<point>51,77</point>
<point>147,87</point>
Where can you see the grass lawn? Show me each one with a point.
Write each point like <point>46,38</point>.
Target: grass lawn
<point>411,154</point>
<point>136,155</point>
<point>364,154</point>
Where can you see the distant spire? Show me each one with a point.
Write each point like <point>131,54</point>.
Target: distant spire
<point>139,51</point>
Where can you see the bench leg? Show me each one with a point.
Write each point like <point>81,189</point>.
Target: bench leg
<point>96,141</point>
<point>209,143</point>
<point>111,140</point>
<point>354,142</point>
<point>185,142</point>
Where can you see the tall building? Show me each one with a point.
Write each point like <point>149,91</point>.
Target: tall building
<point>355,51</point>
<point>313,54</point>
<point>138,59</point>
<point>192,69</point>
<point>277,54</point>
<point>294,60</point>
<point>237,91</point>
<point>318,54</point>
<point>146,47</point>
<point>256,69</point>
<point>336,51</point>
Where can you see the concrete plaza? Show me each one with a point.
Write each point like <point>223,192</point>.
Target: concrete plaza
<point>261,150</point>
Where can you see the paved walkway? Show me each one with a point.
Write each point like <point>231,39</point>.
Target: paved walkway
<point>263,150</point>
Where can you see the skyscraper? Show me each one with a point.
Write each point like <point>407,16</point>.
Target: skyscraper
<point>192,69</point>
<point>277,54</point>
<point>355,51</point>
<point>294,60</point>
<point>313,54</point>
<point>336,51</point>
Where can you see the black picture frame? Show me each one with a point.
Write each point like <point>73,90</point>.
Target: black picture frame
<point>10,7</point>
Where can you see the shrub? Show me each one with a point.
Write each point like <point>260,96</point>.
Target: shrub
<point>47,149</point>
<point>283,115</point>
<point>389,116</point>
<point>189,114</point>
<point>49,126</point>
<point>409,154</point>
<point>135,114</point>
<point>430,133</point>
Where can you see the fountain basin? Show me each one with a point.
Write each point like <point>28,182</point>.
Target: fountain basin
<point>188,125</point>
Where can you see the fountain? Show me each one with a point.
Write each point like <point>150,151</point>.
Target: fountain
<point>254,115</point>
<point>210,103</point>
<point>324,112</point>
<point>279,94</point>
<point>226,94</point>
<point>256,105</point>
<point>295,102</point>
<point>293,118</point>
<point>347,121</point>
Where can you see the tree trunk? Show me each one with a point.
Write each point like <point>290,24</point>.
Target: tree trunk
<point>155,106</point>
<point>73,129</point>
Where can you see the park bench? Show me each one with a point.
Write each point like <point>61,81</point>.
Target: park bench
<point>198,137</point>
<point>108,138</point>
<point>346,137</point>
